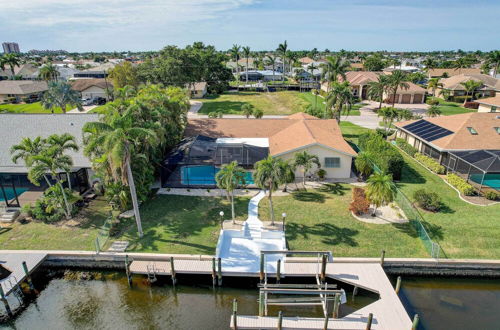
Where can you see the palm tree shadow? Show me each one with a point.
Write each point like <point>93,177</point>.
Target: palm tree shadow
<point>329,234</point>
<point>308,196</point>
<point>334,188</point>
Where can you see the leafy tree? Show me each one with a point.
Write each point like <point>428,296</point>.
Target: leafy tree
<point>380,190</point>
<point>363,164</point>
<point>12,60</point>
<point>389,115</point>
<point>339,100</point>
<point>376,89</point>
<point>493,59</point>
<point>445,94</point>
<point>124,74</point>
<point>461,63</point>
<point>433,111</point>
<point>306,161</point>
<point>470,86</point>
<point>268,176</point>
<point>416,77</point>
<point>397,79</point>
<point>288,169</point>
<point>247,109</point>
<point>334,68</point>
<point>434,84</point>
<point>60,94</point>
<point>229,178</point>
<point>49,72</point>
<point>258,113</point>
<point>374,63</point>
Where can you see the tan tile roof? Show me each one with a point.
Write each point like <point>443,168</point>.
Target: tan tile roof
<point>462,139</point>
<point>287,134</point>
<point>22,87</point>
<point>357,66</point>
<point>490,100</point>
<point>361,77</point>
<point>83,84</point>
<point>306,60</point>
<point>412,89</point>
<point>452,72</point>
<point>454,83</point>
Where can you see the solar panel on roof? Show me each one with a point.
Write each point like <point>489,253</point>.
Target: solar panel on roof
<point>427,130</point>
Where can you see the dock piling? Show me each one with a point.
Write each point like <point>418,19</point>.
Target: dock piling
<point>382,257</point>
<point>235,313</point>
<point>323,268</point>
<point>219,270</point>
<point>278,271</point>
<point>354,292</point>
<point>172,270</point>
<point>415,322</point>
<point>5,302</point>
<point>369,322</point>
<point>261,273</point>
<point>325,325</point>
<point>127,271</point>
<point>261,303</point>
<point>280,320</point>
<point>398,285</point>
<point>214,272</point>
<point>336,306</point>
<point>28,277</point>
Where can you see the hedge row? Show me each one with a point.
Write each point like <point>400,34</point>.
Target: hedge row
<point>459,183</point>
<point>386,157</point>
<point>406,147</point>
<point>430,163</point>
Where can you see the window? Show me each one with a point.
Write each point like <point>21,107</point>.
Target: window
<point>472,130</point>
<point>332,162</point>
<point>497,129</point>
<point>493,108</point>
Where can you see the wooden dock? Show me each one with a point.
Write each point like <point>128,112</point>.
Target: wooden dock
<point>13,262</point>
<point>182,266</point>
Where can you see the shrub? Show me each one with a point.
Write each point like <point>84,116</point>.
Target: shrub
<point>471,105</point>
<point>321,173</point>
<point>406,147</point>
<point>459,183</point>
<point>258,113</point>
<point>212,114</point>
<point>430,163</point>
<point>360,203</point>
<point>382,153</point>
<point>429,201</point>
<point>461,98</point>
<point>492,196</point>
<point>433,102</point>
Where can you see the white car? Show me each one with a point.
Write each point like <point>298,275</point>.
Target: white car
<point>87,101</point>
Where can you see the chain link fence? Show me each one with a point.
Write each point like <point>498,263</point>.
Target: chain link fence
<point>102,236</point>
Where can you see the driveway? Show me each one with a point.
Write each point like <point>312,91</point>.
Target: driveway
<point>86,108</point>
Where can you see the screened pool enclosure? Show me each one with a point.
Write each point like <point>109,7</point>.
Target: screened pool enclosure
<point>195,161</point>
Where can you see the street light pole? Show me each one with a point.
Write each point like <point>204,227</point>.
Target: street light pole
<point>221,213</point>
<point>284,217</point>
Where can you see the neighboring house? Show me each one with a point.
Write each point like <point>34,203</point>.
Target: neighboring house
<point>15,127</point>
<point>24,71</point>
<point>358,80</point>
<point>65,73</point>
<point>306,60</point>
<point>453,84</point>
<point>20,90</point>
<point>197,89</point>
<point>93,88</point>
<point>438,73</point>
<point>242,62</point>
<point>214,142</point>
<point>405,68</point>
<point>357,66</point>
<point>414,94</point>
<point>490,104</point>
<point>266,75</point>
<point>467,144</point>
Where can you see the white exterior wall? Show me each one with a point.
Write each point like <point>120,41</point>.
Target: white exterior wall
<point>93,92</point>
<point>485,108</point>
<point>343,172</point>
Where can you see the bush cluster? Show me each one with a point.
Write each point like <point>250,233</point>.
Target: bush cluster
<point>385,156</point>
<point>360,203</point>
<point>430,163</point>
<point>433,102</point>
<point>406,147</point>
<point>429,201</point>
<point>492,196</point>
<point>459,183</point>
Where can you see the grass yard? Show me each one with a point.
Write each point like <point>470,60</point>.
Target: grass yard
<point>450,108</point>
<point>180,224</point>
<point>351,131</point>
<point>39,235</point>
<point>35,107</point>
<point>319,219</point>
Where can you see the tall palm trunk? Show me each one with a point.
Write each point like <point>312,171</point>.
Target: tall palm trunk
<point>247,72</point>
<point>271,208</point>
<point>394,96</point>
<point>66,204</point>
<point>69,180</point>
<point>133,195</point>
<point>232,205</point>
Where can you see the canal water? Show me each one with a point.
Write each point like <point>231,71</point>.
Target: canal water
<point>103,300</point>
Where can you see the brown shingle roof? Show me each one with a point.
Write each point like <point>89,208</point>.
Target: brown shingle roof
<point>287,134</point>
<point>22,87</point>
<point>455,82</point>
<point>452,72</point>
<point>82,84</point>
<point>490,100</point>
<point>462,139</point>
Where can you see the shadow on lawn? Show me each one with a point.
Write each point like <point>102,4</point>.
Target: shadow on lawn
<point>435,231</point>
<point>308,196</point>
<point>330,234</point>
<point>334,188</point>
<point>410,175</point>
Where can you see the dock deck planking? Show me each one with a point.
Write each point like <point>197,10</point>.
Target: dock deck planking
<point>13,262</point>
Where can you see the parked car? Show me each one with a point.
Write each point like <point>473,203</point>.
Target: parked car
<point>87,101</point>
<point>99,101</point>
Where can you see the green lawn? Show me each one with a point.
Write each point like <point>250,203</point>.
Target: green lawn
<point>35,107</point>
<point>181,224</point>
<point>450,108</point>
<point>38,235</point>
<point>319,219</point>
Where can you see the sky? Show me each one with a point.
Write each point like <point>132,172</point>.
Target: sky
<point>136,25</point>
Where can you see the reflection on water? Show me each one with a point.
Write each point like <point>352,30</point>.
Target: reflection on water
<point>453,303</point>
<point>108,303</point>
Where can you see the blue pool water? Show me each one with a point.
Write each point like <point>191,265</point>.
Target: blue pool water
<point>10,193</point>
<point>204,175</point>
<point>490,180</point>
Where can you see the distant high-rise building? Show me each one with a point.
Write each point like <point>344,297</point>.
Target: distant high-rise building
<point>10,47</point>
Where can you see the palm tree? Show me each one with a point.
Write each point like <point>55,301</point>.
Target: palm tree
<point>380,190</point>
<point>116,140</point>
<point>493,59</point>
<point>229,178</point>
<point>311,67</point>
<point>235,53</point>
<point>333,68</point>
<point>338,100</point>
<point>398,79</point>
<point>470,86</point>
<point>315,92</point>
<point>247,109</point>
<point>445,93</point>
<point>388,114</point>
<point>288,173</point>
<point>246,54</point>
<point>306,161</point>
<point>125,92</point>
<point>271,60</point>
<point>60,95</point>
<point>26,150</point>
<point>268,176</point>
<point>461,63</point>
<point>433,111</point>
<point>49,72</point>
<point>376,89</point>
<point>429,63</point>
<point>61,144</point>
<point>12,60</point>
<point>282,50</point>
<point>434,84</point>
<point>363,164</point>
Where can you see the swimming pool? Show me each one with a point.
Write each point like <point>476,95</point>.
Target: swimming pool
<point>490,180</point>
<point>10,193</point>
<point>204,175</point>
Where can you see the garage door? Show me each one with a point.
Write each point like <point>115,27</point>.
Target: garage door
<point>390,98</point>
<point>406,98</point>
<point>418,98</point>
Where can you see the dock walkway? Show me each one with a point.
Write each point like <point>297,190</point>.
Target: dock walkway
<point>13,262</point>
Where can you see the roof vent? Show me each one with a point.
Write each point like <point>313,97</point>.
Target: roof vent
<point>472,130</point>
